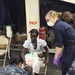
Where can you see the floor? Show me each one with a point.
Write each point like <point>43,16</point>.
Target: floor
<point>51,69</point>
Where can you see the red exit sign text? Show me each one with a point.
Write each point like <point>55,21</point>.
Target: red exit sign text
<point>33,22</point>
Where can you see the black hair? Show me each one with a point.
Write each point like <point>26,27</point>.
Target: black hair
<point>66,14</point>
<point>15,59</point>
<point>34,31</point>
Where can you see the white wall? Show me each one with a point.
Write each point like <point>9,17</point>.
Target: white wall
<point>32,15</point>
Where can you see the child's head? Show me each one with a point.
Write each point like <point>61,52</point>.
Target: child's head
<point>16,59</point>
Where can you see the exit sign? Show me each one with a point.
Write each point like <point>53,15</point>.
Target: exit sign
<point>32,22</point>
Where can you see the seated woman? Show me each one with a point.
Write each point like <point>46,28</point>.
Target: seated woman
<point>14,67</point>
<point>36,47</point>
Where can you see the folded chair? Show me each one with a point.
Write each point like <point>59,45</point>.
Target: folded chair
<point>4,48</point>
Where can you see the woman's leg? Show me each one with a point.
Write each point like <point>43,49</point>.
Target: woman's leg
<point>36,66</point>
<point>64,68</point>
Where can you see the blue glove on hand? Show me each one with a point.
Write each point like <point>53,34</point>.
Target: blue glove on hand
<point>57,61</point>
<point>59,57</point>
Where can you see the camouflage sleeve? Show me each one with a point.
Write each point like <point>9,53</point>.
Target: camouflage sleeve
<point>71,71</point>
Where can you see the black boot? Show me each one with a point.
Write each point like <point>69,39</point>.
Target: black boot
<point>36,74</point>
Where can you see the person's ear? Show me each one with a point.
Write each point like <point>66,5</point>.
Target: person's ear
<point>55,17</point>
<point>20,64</point>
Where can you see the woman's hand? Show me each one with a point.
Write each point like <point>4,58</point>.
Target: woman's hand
<point>25,67</point>
<point>40,55</point>
<point>58,60</point>
<point>45,62</point>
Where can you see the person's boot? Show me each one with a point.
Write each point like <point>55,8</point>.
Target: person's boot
<point>36,74</point>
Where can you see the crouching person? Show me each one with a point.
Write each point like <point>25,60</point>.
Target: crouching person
<point>14,67</point>
<point>36,47</point>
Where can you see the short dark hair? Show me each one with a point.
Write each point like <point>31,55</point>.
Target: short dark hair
<point>34,31</point>
<point>66,14</point>
<point>15,59</point>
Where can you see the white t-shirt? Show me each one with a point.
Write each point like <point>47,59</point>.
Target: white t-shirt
<point>40,44</point>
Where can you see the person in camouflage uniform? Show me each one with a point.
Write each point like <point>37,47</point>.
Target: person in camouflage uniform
<point>14,68</point>
<point>71,71</point>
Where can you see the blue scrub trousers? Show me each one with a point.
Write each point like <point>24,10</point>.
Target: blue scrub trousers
<point>68,57</point>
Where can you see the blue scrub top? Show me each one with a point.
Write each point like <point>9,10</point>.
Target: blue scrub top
<point>64,34</point>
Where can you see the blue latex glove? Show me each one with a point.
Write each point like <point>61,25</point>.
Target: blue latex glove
<point>57,61</point>
<point>59,57</point>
